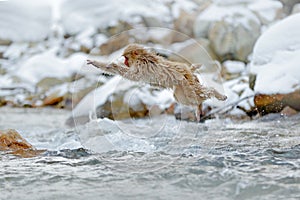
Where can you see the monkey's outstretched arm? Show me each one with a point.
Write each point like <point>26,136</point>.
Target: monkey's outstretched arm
<point>109,68</point>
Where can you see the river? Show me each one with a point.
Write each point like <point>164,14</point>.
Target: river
<point>158,158</point>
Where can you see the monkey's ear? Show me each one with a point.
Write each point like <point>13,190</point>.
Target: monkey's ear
<point>135,52</point>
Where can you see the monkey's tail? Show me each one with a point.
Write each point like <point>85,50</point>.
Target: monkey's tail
<point>217,95</point>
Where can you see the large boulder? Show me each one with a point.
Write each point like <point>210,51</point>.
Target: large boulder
<point>296,8</point>
<point>276,66</point>
<point>49,65</point>
<point>232,30</point>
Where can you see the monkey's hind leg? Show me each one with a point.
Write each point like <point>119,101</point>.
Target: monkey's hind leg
<point>216,94</point>
<point>199,113</point>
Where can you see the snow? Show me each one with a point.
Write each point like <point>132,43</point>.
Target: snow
<point>276,58</point>
<point>134,96</point>
<point>30,21</point>
<point>78,15</point>
<point>217,13</point>
<point>5,81</point>
<point>234,66</point>
<point>183,5</point>
<point>236,12</point>
<point>47,64</point>
<point>281,75</point>
<point>266,9</point>
<point>247,103</point>
<point>282,36</point>
<point>85,37</point>
<point>296,8</point>
<point>233,14</point>
<point>15,50</point>
<point>100,39</point>
<point>99,96</point>
<point>229,2</point>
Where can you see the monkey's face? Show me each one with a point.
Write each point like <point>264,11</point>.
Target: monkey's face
<point>132,54</point>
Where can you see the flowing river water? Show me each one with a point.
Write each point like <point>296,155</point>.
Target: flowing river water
<point>158,158</point>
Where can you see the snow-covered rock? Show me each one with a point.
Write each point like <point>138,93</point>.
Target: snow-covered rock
<point>24,20</point>
<point>267,11</point>
<point>296,8</point>
<point>78,15</point>
<point>234,67</point>
<point>47,64</point>
<point>276,59</point>
<point>288,5</point>
<point>119,98</point>
<point>232,29</point>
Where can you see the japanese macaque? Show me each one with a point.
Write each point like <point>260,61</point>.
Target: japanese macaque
<point>144,65</point>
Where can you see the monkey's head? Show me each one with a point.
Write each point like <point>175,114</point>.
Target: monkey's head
<point>132,53</point>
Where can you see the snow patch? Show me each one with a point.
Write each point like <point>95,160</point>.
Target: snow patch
<point>217,13</point>
<point>282,36</point>
<point>276,58</point>
<point>267,10</point>
<point>78,15</point>
<point>47,64</point>
<point>234,66</point>
<point>25,20</point>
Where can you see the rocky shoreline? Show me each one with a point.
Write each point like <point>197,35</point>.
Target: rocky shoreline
<point>46,67</point>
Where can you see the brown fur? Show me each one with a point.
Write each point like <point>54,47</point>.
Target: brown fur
<point>144,65</point>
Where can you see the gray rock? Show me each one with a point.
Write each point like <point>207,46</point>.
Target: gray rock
<point>233,40</point>
<point>267,11</point>
<point>121,99</point>
<point>196,51</point>
<point>232,30</point>
<point>48,82</point>
<point>184,113</point>
<point>184,23</point>
<point>288,5</point>
<point>296,8</point>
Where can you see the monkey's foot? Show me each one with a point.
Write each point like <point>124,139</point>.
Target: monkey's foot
<point>199,113</point>
<point>221,97</point>
<point>218,95</point>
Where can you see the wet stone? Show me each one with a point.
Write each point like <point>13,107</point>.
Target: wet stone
<point>12,142</point>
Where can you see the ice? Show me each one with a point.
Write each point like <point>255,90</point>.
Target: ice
<point>108,135</point>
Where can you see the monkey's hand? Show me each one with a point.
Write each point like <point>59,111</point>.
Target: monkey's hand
<point>111,68</point>
<point>89,62</point>
<point>97,64</point>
